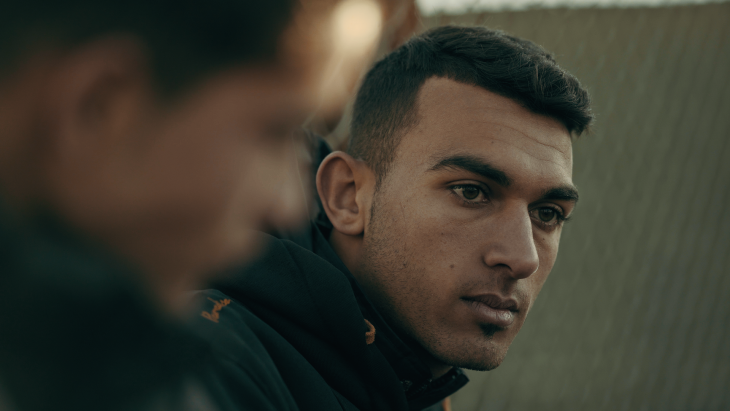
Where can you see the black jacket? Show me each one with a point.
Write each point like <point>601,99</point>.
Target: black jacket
<point>303,305</point>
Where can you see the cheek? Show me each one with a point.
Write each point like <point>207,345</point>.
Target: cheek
<point>269,174</point>
<point>547,245</point>
<point>449,237</point>
<point>197,171</point>
<point>434,250</point>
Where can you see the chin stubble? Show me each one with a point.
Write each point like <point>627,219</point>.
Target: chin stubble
<point>490,329</point>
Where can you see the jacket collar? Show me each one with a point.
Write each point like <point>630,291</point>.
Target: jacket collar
<point>416,379</point>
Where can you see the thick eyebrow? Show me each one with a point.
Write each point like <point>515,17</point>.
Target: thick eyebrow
<point>474,165</point>
<point>478,166</point>
<point>564,193</point>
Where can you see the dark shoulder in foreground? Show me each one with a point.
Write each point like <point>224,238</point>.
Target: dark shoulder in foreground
<point>242,375</point>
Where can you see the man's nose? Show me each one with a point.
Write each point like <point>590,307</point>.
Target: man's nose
<point>290,206</point>
<point>512,244</point>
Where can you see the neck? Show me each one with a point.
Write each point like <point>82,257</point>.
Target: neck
<point>346,247</point>
<point>437,368</point>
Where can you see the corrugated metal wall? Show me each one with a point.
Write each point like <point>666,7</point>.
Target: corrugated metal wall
<point>636,313</point>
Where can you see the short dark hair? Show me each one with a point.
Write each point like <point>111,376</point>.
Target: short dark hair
<point>185,39</point>
<point>385,107</point>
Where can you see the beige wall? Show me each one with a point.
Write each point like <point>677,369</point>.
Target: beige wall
<point>636,313</point>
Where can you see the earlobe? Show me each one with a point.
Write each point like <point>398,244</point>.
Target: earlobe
<point>341,183</point>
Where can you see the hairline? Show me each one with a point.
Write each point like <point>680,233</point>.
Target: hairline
<point>414,117</point>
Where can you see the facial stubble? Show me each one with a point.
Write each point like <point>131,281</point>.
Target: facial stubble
<point>391,274</point>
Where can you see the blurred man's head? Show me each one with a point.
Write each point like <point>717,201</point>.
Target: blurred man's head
<point>449,206</point>
<point>161,129</point>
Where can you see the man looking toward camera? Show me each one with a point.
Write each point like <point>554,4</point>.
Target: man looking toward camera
<point>437,230</point>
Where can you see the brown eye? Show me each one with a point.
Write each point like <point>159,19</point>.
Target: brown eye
<point>546,215</point>
<point>470,192</point>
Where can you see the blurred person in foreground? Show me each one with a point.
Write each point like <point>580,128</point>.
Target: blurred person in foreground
<point>141,142</point>
<point>437,229</point>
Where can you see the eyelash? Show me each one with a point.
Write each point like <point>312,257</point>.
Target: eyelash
<point>560,217</point>
<point>465,201</point>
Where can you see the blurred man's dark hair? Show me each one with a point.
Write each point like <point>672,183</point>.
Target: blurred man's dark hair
<point>385,107</point>
<point>185,39</point>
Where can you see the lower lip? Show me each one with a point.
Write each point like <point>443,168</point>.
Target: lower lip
<point>487,314</point>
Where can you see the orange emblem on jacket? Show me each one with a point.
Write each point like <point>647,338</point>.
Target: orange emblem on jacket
<point>214,314</point>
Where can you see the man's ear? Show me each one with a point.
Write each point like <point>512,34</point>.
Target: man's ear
<point>97,95</point>
<point>345,186</point>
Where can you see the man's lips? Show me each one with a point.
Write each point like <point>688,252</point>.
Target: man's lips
<point>493,309</point>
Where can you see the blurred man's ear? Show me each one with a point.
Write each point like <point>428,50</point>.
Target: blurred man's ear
<point>98,96</point>
<point>346,186</point>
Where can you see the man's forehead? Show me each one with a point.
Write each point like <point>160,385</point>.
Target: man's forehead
<point>457,119</point>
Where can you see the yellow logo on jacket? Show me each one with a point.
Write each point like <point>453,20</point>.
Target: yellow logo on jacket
<point>214,314</point>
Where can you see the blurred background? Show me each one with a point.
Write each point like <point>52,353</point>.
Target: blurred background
<point>636,313</point>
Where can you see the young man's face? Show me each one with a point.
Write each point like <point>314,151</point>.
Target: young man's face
<point>178,188</point>
<point>466,226</point>
<point>224,163</point>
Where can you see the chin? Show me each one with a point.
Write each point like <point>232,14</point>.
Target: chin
<point>487,365</point>
<point>484,354</point>
<point>484,361</point>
